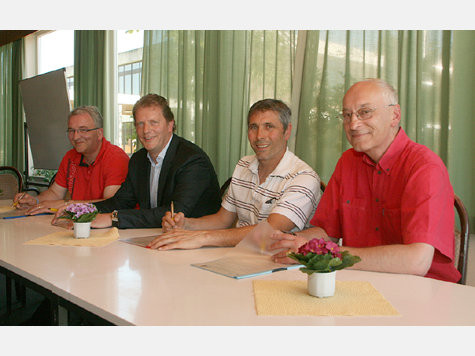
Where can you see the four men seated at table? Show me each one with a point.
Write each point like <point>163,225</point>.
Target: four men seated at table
<point>93,170</point>
<point>389,199</point>
<point>273,184</point>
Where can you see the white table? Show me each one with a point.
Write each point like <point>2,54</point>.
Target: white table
<point>131,285</point>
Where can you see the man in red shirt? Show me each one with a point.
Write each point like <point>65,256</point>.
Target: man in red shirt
<point>93,170</point>
<point>389,199</point>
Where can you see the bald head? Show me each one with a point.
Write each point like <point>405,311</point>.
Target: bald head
<point>378,85</point>
<point>371,117</point>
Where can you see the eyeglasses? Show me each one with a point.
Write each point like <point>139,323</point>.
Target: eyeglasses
<point>80,131</point>
<point>362,114</point>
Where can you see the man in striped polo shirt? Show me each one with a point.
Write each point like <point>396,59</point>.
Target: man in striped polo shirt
<point>273,184</point>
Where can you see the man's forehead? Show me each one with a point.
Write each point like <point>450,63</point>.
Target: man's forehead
<point>365,94</point>
<point>149,112</point>
<point>266,116</point>
<point>83,119</point>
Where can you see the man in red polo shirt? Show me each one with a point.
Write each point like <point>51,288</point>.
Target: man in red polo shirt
<point>93,170</point>
<point>389,199</point>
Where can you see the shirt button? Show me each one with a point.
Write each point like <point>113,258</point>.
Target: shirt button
<point>377,200</point>
<point>377,228</point>
<point>379,172</point>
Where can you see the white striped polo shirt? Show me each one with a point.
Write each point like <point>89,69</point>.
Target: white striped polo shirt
<point>292,190</point>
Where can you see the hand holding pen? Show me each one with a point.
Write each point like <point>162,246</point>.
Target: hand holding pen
<point>171,220</point>
<point>23,201</point>
<point>16,201</point>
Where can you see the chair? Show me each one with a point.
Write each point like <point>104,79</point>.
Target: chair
<point>11,182</point>
<point>462,239</point>
<point>224,188</point>
<point>322,186</point>
<point>51,181</point>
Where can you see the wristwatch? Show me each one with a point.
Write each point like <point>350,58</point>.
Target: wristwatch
<point>115,218</point>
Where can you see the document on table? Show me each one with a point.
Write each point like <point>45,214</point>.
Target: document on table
<point>249,258</point>
<point>139,241</point>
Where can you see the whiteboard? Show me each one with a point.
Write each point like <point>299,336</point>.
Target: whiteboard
<point>46,104</point>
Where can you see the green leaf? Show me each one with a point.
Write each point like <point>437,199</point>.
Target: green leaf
<point>324,263</point>
<point>334,262</point>
<point>87,217</point>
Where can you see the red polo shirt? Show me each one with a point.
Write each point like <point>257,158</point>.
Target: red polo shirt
<point>405,198</point>
<point>87,182</point>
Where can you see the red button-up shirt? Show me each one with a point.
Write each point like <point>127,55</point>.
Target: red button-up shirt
<point>87,182</point>
<point>405,198</point>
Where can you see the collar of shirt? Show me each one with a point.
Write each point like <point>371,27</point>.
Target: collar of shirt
<point>104,142</point>
<point>390,156</point>
<point>282,168</point>
<point>155,170</point>
<point>160,156</point>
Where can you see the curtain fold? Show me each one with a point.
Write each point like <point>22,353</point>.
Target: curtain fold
<point>95,73</point>
<point>461,121</point>
<point>11,109</point>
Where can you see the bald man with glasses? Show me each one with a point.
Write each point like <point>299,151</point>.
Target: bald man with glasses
<point>389,199</point>
<point>92,171</point>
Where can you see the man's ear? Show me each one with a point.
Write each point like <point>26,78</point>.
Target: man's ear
<point>287,132</point>
<point>396,119</point>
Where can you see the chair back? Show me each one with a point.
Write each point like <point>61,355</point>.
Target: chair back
<point>322,186</point>
<point>224,187</point>
<point>11,182</point>
<point>462,239</point>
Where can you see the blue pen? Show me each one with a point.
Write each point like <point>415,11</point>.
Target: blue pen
<point>24,216</point>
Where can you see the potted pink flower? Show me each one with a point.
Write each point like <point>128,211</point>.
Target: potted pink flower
<point>82,214</point>
<point>321,260</point>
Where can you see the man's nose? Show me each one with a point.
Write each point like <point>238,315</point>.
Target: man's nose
<point>146,127</point>
<point>76,135</point>
<point>261,132</point>
<point>354,121</point>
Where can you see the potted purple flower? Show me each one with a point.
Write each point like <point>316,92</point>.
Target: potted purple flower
<point>82,214</point>
<point>322,259</point>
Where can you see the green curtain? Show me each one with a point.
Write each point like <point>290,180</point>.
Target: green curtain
<point>95,73</point>
<point>461,152</point>
<point>212,77</point>
<point>11,109</point>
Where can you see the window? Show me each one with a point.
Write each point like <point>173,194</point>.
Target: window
<point>55,51</point>
<point>46,51</point>
<point>129,48</point>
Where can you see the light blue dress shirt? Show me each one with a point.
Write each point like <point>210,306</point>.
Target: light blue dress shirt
<point>155,170</point>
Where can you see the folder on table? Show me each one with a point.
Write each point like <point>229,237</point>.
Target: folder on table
<point>249,258</point>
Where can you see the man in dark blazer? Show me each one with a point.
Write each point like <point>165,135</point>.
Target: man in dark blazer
<point>168,169</point>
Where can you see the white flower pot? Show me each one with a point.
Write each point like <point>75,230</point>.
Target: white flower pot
<point>82,230</point>
<point>321,285</point>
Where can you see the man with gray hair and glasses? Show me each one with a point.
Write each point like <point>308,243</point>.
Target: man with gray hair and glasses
<point>92,171</point>
<point>389,199</point>
<point>273,185</point>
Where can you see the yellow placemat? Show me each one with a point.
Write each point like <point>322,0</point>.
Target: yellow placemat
<point>291,298</point>
<point>98,238</point>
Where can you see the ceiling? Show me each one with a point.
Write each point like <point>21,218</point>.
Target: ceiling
<point>8,36</point>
